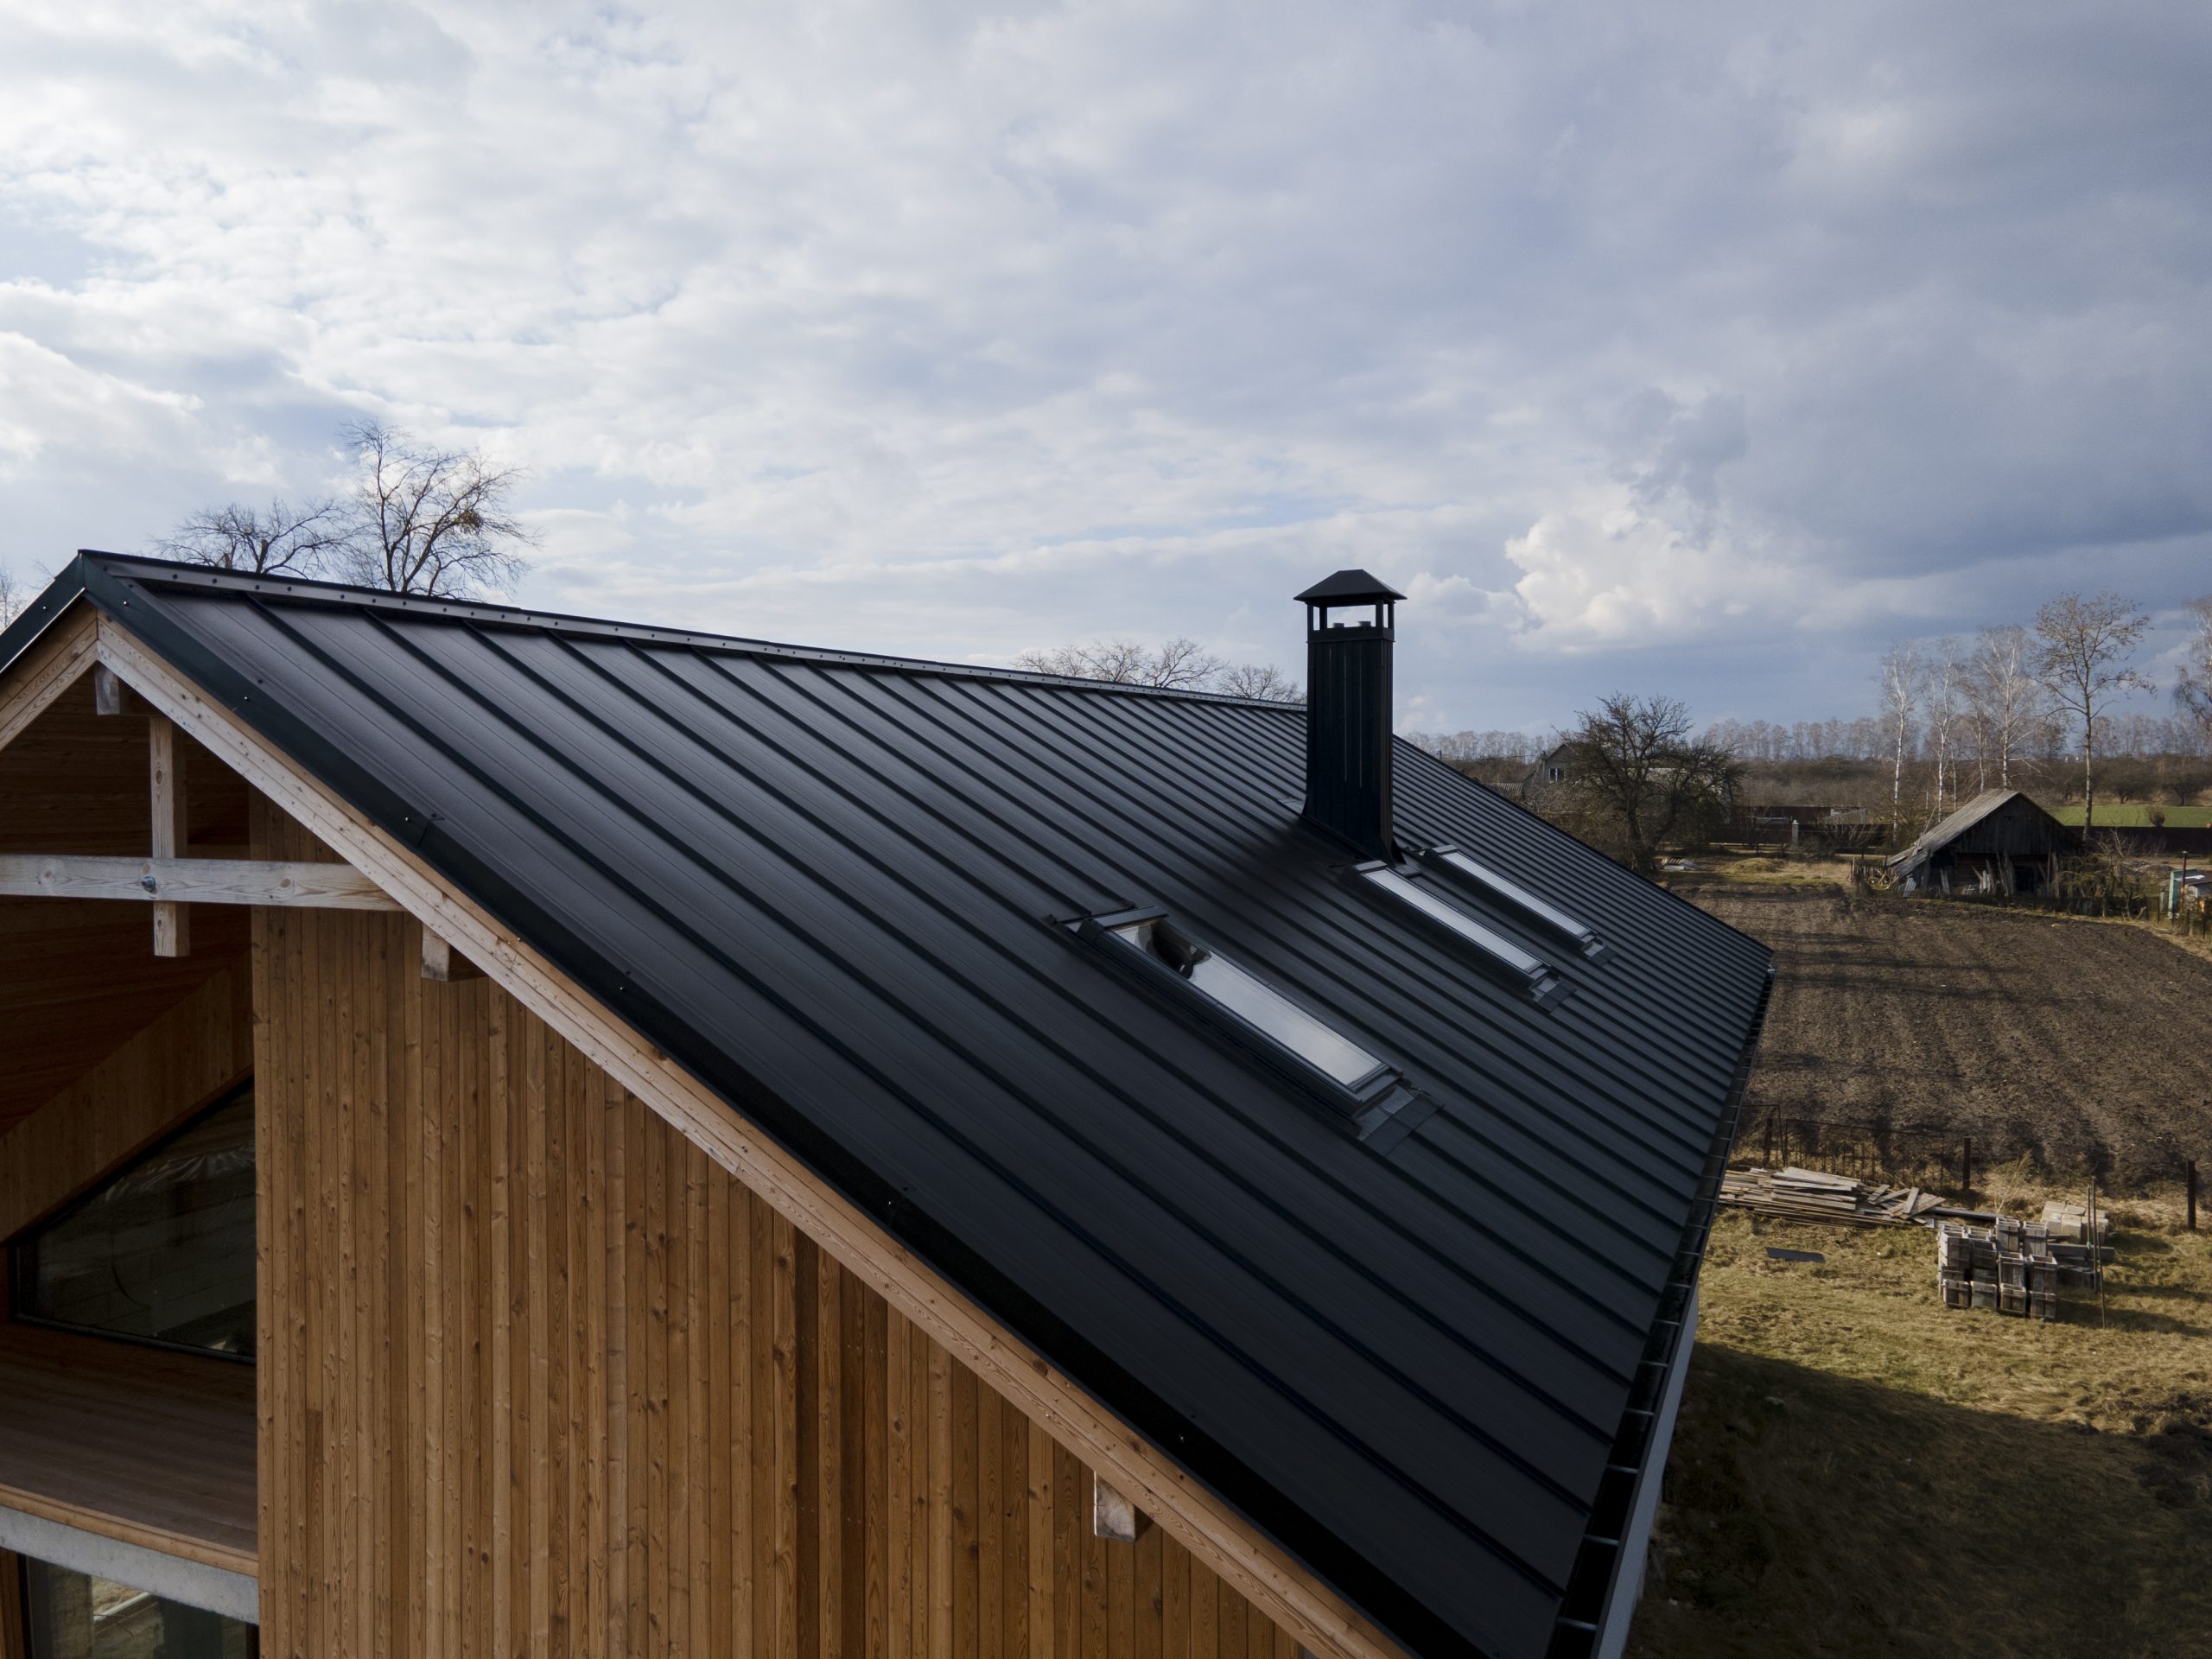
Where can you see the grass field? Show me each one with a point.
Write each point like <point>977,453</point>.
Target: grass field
<point>2133,815</point>
<point>1859,1470</point>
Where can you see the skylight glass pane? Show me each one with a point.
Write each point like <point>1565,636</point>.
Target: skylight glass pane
<point>1253,1000</point>
<point>1417,895</point>
<point>1514,893</point>
<point>163,1251</point>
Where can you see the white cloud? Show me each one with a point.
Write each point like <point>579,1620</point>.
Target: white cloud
<point>1611,335</point>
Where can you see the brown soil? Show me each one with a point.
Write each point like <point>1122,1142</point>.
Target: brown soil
<point>2084,1046</point>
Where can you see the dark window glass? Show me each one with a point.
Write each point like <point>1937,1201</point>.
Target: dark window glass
<point>74,1615</point>
<point>163,1252</point>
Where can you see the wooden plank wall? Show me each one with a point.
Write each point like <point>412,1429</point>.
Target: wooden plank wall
<point>538,1377</point>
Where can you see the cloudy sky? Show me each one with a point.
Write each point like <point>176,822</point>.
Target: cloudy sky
<point>1699,348</point>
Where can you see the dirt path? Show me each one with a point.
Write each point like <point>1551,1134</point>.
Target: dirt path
<point>2086,1044</point>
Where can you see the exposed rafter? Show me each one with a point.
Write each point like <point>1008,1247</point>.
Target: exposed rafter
<point>171,883</point>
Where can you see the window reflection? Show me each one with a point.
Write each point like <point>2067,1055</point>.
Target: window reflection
<point>75,1616</point>
<point>1251,999</point>
<point>164,1250</point>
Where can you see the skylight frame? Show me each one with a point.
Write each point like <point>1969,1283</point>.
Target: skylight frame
<point>1457,862</point>
<point>1408,887</point>
<point>1379,1106</point>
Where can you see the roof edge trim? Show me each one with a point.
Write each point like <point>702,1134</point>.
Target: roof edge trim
<point>489,613</point>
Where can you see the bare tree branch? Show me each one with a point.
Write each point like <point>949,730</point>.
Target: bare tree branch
<point>2193,685</point>
<point>283,539</point>
<point>2081,662</point>
<point>1635,775</point>
<point>1263,682</point>
<point>429,521</point>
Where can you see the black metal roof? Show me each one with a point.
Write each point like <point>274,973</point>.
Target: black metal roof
<point>835,887</point>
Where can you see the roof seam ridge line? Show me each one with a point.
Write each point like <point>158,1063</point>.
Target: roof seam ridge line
<point>1652,1142</point>
<point>1228,1251</point>
<point>945,1127</point>
<point>1320,1170</point>
<point>1447,1206</point>
<point>307,590</point>
<point>1299,929</point>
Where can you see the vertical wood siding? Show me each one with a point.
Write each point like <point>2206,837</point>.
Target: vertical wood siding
<point>538,1377</point>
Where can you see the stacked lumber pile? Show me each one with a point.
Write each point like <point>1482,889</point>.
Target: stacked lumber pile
<point>2066,1226</point>
<point>2007,1267</point>
<point>1795,1194</point>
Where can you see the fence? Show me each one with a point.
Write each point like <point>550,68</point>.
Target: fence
<point>1867,1152</point>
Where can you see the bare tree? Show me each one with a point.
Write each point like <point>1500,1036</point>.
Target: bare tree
<point>1263,681</point>
<point>1902,674</point>
<point>2007,701</point>
<point>1635,774</point>
<point>1945,683</point>
<point>432,521</point>
<point>282,539</point>
<point>2081,649</point>
<point>2193,685</point>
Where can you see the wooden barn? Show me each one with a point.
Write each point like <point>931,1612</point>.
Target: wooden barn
<point>530,1135</point>
<point>2000,842</point>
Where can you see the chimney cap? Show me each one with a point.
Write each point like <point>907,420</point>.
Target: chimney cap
<point>1351,588</point>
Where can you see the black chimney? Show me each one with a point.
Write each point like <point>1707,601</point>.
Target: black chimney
<point>1348,711</point>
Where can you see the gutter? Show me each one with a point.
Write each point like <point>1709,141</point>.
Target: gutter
<point>1602,1589</point>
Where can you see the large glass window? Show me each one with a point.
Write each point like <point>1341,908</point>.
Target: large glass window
<point>75,1616</point>
<point>1250,999</point>
<point>162,1252</point>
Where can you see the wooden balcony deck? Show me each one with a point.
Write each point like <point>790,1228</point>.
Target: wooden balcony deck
<point>129,1442</point>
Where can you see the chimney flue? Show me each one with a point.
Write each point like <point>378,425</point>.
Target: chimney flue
<point>1348,709</point>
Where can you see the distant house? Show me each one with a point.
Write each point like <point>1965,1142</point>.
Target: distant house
<point>1550,773</point>
<point>2000,842</point>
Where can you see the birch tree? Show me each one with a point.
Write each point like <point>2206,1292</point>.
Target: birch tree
<point>1902,674</point>
<point>2083,646</point>
<point>2008,700</point>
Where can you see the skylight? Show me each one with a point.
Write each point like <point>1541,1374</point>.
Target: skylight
<point>1515,894</point>
<point>1250,999</point>
<point>1417,895</point>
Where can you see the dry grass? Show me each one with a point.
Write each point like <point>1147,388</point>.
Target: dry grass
<point>1858,1470</point>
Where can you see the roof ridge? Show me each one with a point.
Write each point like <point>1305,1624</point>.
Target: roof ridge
<point>142,567</point>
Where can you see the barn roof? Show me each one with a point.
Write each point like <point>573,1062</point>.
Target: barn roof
<point>837,888</point>
<point>1935,838</point>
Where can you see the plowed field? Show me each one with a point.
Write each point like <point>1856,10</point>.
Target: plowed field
<point>2085,1043</point>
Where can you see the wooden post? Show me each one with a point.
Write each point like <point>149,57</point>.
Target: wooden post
<point>172,923</point>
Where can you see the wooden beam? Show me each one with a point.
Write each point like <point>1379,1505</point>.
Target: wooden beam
<point>111,697</point>
<point>165,756</point>
<point>174,882</point>
<point>1251,1563</point>
<point>42,673</point>
<point>442,963</point>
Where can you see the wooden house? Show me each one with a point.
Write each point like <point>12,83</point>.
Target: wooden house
<point>530,1135</point>
<point>2000,842</point>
